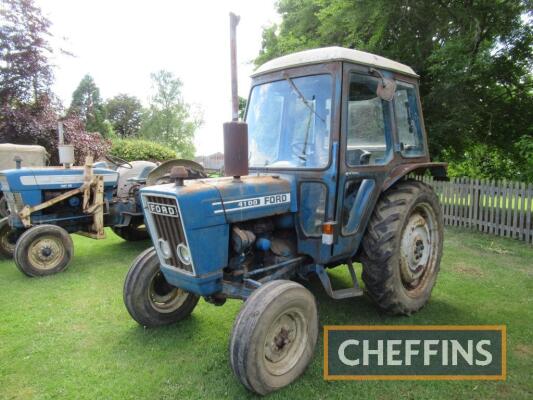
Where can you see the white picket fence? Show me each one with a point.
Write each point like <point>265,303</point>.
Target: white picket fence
<point>502,208</point>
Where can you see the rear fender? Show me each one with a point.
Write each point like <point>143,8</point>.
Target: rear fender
<point>436,169</point>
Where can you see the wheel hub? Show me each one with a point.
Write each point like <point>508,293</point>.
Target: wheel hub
<point>285,342</point>
<point>282,336</point>
<point>165,298</point>
<point>415,249</point>
<point>46,252</point>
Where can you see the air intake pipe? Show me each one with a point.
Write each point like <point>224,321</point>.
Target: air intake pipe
<point>235,132</point>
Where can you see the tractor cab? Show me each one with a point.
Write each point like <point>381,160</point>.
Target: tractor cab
<point>344,125</point>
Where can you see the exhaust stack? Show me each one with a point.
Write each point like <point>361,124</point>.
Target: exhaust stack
<point>235,132</point>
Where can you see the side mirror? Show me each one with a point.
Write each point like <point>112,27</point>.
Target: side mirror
<point>386,89</point>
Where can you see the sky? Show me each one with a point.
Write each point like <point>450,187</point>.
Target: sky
<point>119,43</point>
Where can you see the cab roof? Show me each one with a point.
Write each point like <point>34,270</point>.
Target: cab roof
<point>327,54</point>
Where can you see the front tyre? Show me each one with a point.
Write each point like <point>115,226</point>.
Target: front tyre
<point>43,250</point>
<point>402,248</point>
<point>274,336</point>
<point>149,298</point>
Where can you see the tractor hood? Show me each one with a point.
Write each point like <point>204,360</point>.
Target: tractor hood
<point>215,201</point>
<point>206,208</point>
<point>23,179</point>
<point>253,197</point>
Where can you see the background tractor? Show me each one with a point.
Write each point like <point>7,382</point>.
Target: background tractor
<point>318,177</point>
<point>47,204</point>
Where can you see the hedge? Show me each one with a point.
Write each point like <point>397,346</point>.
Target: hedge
<point>135,149</point>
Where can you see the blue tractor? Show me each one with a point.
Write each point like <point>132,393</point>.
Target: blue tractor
<point>46,204</point>
<point>318,177</point>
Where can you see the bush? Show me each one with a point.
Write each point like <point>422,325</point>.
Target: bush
<point>134,149</point>
<point>85,143</point>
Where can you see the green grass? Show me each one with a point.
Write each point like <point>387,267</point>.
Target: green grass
<point>69,336</point>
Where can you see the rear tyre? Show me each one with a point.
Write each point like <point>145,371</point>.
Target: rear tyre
<point>132,233</point>
<point>43,250</point>
<point>150,299</point>
<point>274,336</point>
<point>402,248</point>
<point>8,238</point>
<point>4,211</point>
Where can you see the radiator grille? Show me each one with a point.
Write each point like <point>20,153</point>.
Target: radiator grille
<point>168,226</point>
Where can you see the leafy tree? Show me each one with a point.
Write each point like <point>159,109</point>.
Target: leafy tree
<point>88,106</point>
<point>169,120</point>
<point>125,114</point>
<point>242,107</point>
<point>25,73</point>
<point>27,108</point>
<point>474,58</point>
<point>29,111</point>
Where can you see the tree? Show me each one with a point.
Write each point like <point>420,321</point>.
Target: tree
<point>88,106</point>
<point>25,72</point>
<point>125,114</point>
<point>169,120</point>
<point>243,102</point>
<point>474,59</point>
<point>29,111</point>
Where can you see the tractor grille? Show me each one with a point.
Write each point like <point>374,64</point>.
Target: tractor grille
<point>167,224</point>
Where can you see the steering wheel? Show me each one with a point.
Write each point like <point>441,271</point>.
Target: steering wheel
<point>298,150</point>
<point>118,162</point>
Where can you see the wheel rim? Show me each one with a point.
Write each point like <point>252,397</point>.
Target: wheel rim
<point>46,253</point>
<point>418,248</point>
<point>285,342</point>
<point>165,298</point>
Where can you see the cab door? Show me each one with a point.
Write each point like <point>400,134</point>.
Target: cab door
<point>365,154</point>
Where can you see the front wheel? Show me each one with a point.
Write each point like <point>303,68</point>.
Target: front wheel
<point>402,248</point>
<point>43,250</point>
<point>274,336</point>
<point>150,299</point>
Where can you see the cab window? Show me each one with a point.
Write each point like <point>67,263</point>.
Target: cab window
<point>408,120</point>
<point>368,130</point>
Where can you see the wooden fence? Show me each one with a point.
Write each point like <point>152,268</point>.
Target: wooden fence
<point>500,208</point>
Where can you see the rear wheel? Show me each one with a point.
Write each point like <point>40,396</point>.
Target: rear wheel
<point>4,211</point>
<point>132,233</point>
<point>8,238</point>
<point>274,336</point>
<point>150,299</point>
<point>43,250</point>
<point>402,248</point>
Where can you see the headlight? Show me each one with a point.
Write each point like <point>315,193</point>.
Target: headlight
<point>184,254</point>
<point>165,248</point>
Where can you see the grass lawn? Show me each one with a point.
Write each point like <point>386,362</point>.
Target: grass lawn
<point>69,335</point>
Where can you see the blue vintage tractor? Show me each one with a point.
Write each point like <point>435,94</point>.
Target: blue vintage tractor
<point>318,178</point>
<point>47,204</point>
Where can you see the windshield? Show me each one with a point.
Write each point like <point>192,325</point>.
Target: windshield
<point>289,123</point>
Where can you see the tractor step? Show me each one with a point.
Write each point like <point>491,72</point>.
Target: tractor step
<point>338,294</point>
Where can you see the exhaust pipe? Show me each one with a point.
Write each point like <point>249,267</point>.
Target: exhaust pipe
<point>235,132</point>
